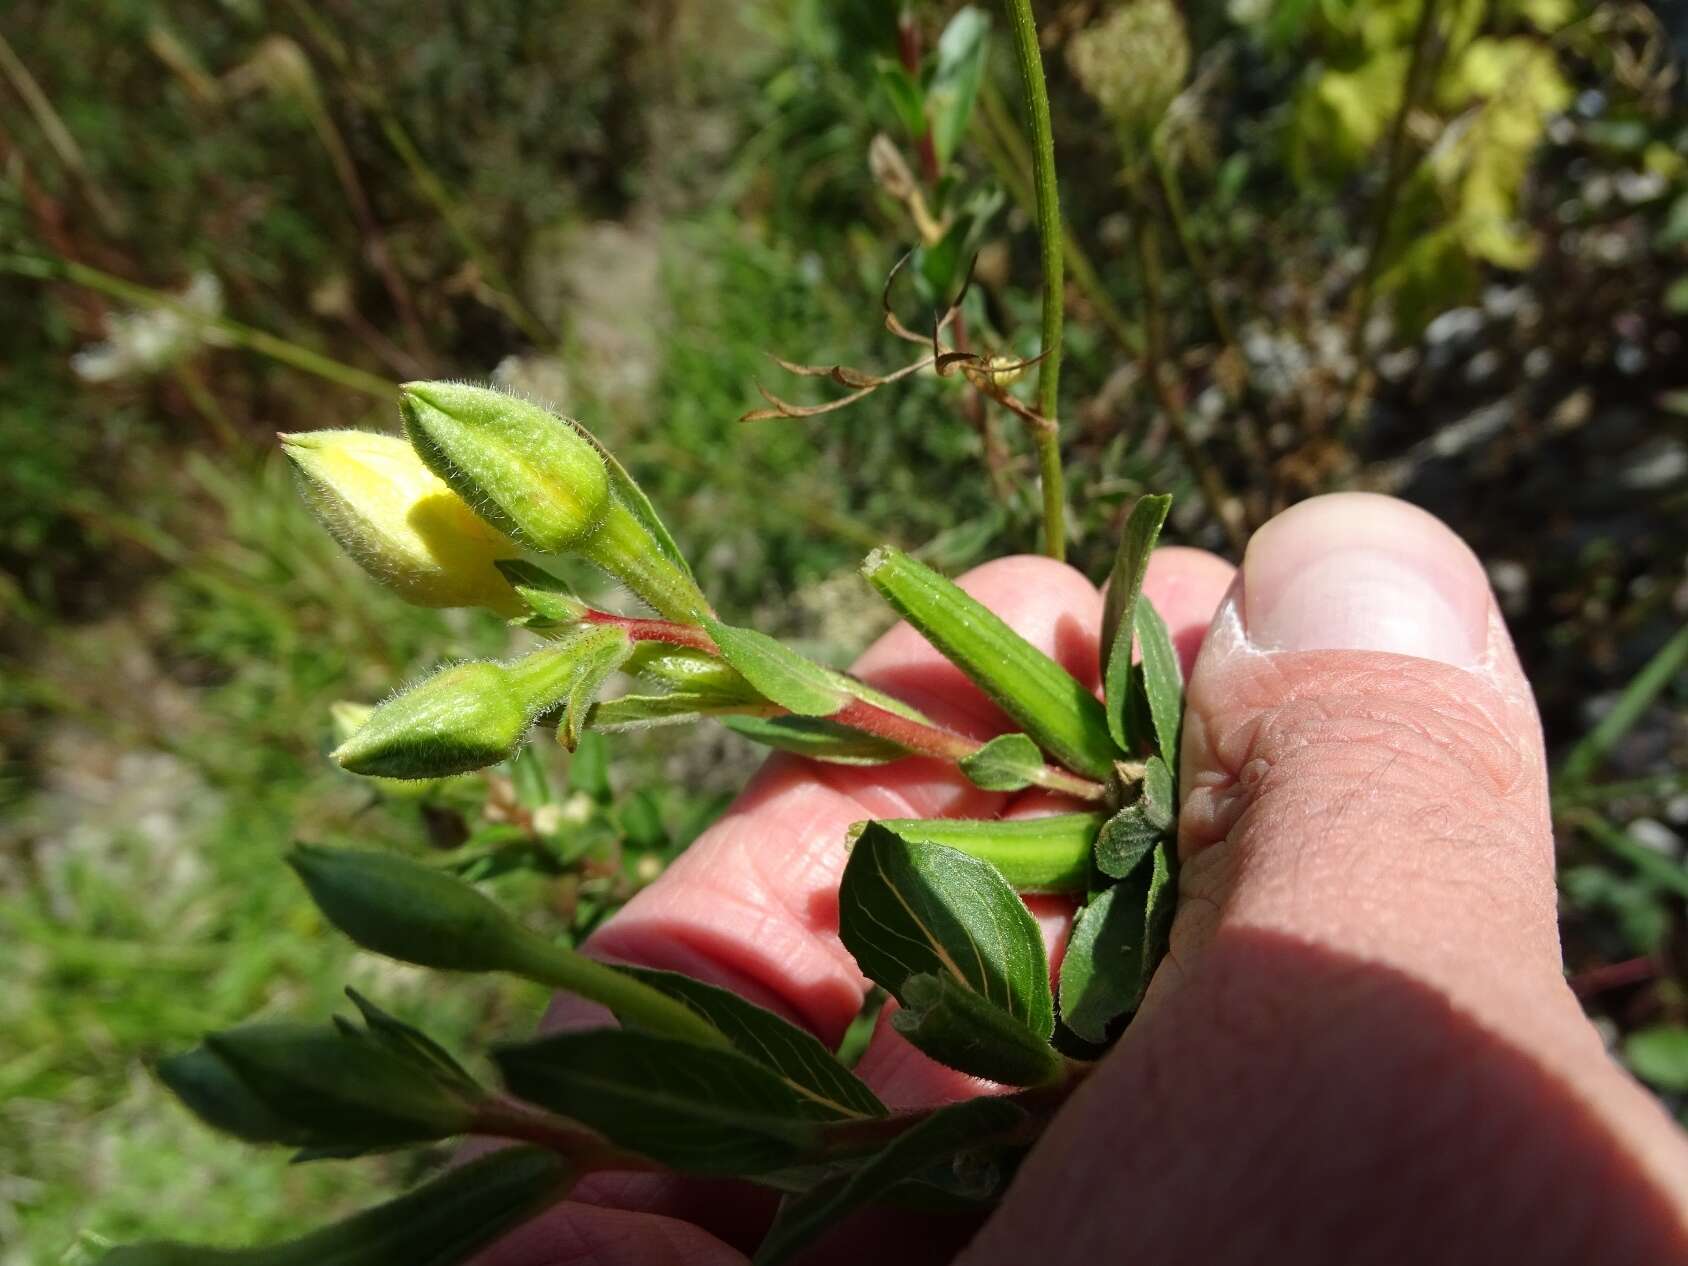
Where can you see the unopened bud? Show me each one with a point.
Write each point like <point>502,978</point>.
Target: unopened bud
<point>543,480</point>
<point>409,911</point>
<point>526,471</point>
<point>466,716</point>
<point>400,522</point>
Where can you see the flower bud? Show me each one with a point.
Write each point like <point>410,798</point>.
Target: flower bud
<point>1133,62</point>
<point>549,484</point>
<point>320,1087</point>
<point>526,471</point>
<point>399,522</point>
<point>466,716</point>
<point>409,911</point>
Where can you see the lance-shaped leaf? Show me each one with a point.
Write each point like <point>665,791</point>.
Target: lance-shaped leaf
<point>321,1086</point>
<point>598,653</point>
<point>907,909</point>
<point>816,738</point>
<point>955,80</point>
<point>956,1026</point>
<point>441,1223</point>
<point>1114,947</point>
<point>1045,700</point>
<point>548,597</point>
<point>416,914</point>
<point>1163,681</point>
<point>1048,854</point>
<point>798,685</point>
<point>1125,840</point>
<point>698,1110</point>
<point>1125,584</point>
<point>1007,763</point>
<point>945,1139</point>
<point>828,1089</point>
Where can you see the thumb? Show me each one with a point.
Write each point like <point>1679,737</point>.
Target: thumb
<point>1360,1046</point>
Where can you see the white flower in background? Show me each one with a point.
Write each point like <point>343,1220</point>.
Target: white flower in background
<point>145,342</point>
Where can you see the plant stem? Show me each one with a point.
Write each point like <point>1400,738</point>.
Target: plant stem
<point>506,1118</point>
<point>1218,499</point>
<point>254,340</point>
<point>59,137</point>
<point>1654,867</point>
<point>932,740</point>
<point>1631,971</point>
<point>1636,698</point>
<point>1395,172</point>
<point>634,1002</point>
<point>1048,440</point>
<point>645,630</point>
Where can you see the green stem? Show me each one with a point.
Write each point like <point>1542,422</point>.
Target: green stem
<point>1655,787</point>
<point>253,340</point>
<point>1047,439</point>
<point>1653,866</point>
<point>633,1002</point>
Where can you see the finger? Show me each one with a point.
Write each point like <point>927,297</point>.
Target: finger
<point>1361,1046</point>
<point>753,903</point>
<point>574,1234</point>
<point>1186,586</point>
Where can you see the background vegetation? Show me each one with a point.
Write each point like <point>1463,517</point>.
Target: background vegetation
<point>1432,247</point>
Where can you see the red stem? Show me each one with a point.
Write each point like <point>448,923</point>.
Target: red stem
<point>908,47</point>
<point>641,630</point>
<point>1632,971</point>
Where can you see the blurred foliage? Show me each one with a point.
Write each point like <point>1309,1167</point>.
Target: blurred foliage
<point>1477,303</point>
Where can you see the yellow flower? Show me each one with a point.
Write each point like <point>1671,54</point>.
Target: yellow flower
<point>400,522</point>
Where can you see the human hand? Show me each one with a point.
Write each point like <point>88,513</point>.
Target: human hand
<point>1360,1046</point>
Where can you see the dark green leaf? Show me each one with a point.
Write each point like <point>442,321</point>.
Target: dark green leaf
<point>1163,681</point>
<point>693,1108</point>
<point>907,909</point>
<point>550,598</point>
<point>941,1140</point>
<point>1125,583</point>
<point>441,1223</point>
<point>825,1085</point>
<point>1114,947</point>
<point>1048,854</point>
<point>1006,763</point>
<point>1125,840</point>
<point>955,82</point>
<point>400,1036</point>
<point>955,1026</point>
<point>778,672</point>
<point>816,738</point>
<point>1052,706</point>
<point>1159,793</point>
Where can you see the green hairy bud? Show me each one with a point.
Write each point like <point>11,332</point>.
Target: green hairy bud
<point>399,522</point>
<point>526,471</point>
<point>542,479</point>
<point>464,717</point>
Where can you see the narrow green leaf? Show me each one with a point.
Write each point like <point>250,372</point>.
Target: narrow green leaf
<point>409,1039</point>
<point>1114,947</point>
<point>1007,763</point>
<point>1048,854</point>
<point>1125,840</point>
<point>903,93</point>
<point>692,1108</point>
<point>598,654</point>
<point>678,707</point>
<point>943,1139</point>
<point>795,683</point>
<point>1665,667</point>
<point>955,1026</point>
<point>828,1089</point>
<point>816,738</point>
<point>1047,702</point>
<point>548,597</point>
<point>955,82</point>
<point>1163,681</point>
<point>908,908</point>
<point>1125,583</point>
<point>681,668</point>
<point>589,770</point>
<point>441,1223</point>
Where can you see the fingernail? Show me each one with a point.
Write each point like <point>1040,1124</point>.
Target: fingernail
<point>1358,571</point>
